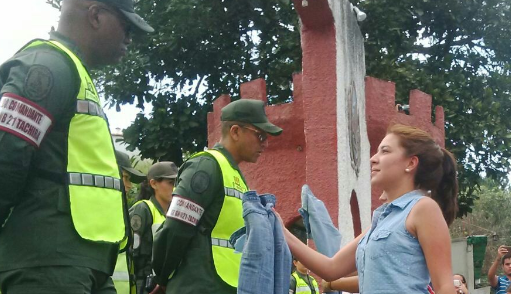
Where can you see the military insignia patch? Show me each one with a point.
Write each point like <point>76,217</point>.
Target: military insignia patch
<point>38,83</point>
<point>200,182</point>
<point>136,222</point>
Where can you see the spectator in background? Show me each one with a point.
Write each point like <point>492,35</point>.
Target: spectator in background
<point>500,283</point>
<point>460,284</point>
<point>301,282</point>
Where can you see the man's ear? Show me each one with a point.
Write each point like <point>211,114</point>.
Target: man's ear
<point>94,16</point>
<point>235,132</point>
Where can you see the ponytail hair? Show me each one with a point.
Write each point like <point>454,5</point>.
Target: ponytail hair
<point>436,170</point>
<point>146,191</point>
<point>448,187</point>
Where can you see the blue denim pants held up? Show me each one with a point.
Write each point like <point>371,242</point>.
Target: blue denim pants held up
<point>266,260</point>
<point>318,224</point>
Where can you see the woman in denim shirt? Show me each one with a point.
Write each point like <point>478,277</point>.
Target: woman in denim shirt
<point>408,243</point>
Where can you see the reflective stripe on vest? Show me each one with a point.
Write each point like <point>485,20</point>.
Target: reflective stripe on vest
<point>90,108</point>
<point>97,210</point>
<point>221,243</point>
<point>100,181</point>
<point>230,219</point>
<point>302,287</point>
<point>122,276</point>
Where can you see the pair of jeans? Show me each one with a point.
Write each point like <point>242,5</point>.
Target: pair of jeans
<point>266,259</point>
<point>318,224</point>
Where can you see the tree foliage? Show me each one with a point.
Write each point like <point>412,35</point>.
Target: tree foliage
<point>456,50</point>
<point>490,216</point>
<point>459,52</point>
<point>200,50</point>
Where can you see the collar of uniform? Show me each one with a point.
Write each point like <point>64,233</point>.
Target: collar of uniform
<point>54,35</point>
<point>302,276</point>
<point>403,201</point>
<point>157,204</point>
<point>227,155</point>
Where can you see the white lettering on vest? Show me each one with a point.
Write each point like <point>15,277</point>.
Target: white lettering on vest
<point>23,118</point>
<point>185,211</point>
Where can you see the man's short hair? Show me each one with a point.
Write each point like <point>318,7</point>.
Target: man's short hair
<point>506,256</point>
<point>227,125</point>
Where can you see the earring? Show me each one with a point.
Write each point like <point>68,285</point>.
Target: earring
<point>407,170</point>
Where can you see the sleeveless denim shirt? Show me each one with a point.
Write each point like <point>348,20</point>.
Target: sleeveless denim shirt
<point>389,259</point>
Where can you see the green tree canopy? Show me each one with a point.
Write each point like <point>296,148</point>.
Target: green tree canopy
<point>456,50</point>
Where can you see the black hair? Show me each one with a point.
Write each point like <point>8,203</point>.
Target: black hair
<point>146,191</point>
<point>463,280</point>
<point>506,256</point>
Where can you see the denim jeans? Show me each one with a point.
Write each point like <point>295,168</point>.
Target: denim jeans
<point>318,224</point>
<point>266,260</point>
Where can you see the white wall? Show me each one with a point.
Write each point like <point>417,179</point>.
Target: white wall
<point>350,70</point>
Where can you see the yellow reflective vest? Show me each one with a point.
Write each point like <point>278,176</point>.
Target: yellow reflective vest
<point>93,177</point>
<point>158,218</point>
<point>302,287</point>
<point>230,219</point>
<point>121,274</point>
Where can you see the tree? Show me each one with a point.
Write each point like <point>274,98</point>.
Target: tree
<point>490,217</point>
<point>456,50</point>
<point>201,49</point>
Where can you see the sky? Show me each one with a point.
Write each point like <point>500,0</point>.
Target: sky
<point>24,20</point>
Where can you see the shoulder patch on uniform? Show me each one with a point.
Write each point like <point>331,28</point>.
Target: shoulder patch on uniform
<point>24,119</point>
<point>136,222</point>
<point>185,210</point>
<point>38,83</point>
<point>200,182</point>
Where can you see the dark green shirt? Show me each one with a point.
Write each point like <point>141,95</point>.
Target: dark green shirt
<point>184,249</point>
<point>40,231</point>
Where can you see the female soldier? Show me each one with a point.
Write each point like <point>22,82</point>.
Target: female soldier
<point>147,215</point>
<point>408,243</point>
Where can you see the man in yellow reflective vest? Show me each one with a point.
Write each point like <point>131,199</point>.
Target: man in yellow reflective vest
<point>192,248</point>
<point>301,282</point>
<point>63,216</point>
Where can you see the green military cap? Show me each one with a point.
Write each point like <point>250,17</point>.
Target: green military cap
<point>162,170</point>
<point>126,7</point>
<point>123,161</point>
<point>250,111</point>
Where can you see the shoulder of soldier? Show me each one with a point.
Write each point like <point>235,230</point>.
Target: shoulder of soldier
<point>140,215</point>
<point>292,281</point>
<point>199,175</point>
<point>42,69</point>
<point>203,163</point>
